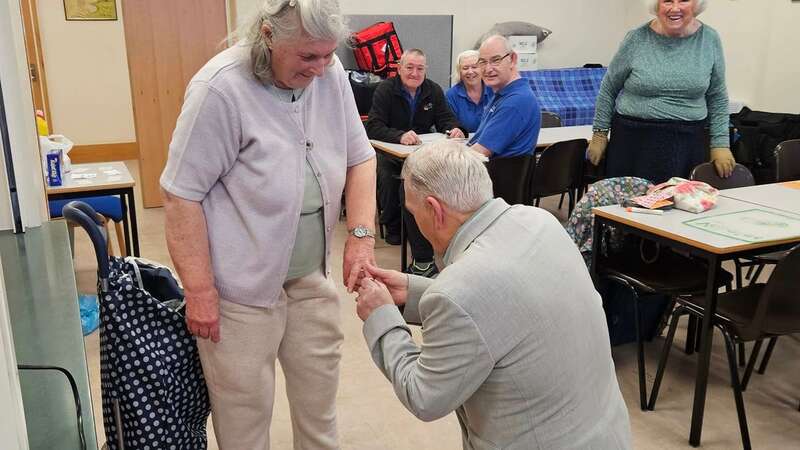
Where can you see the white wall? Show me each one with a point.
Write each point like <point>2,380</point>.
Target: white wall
<point>761,46</point>
<point>21,123</point>
<point>87,76</point>
<point>583,30</point>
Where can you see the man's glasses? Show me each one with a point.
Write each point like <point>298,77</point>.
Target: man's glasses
<point>493,61</point>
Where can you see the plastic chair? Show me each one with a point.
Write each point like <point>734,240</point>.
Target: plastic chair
<point>511,178</point>
<point>753,313</point>
<point>550,120</point>
<point>740,177</point>
<point>108,206</point>
<point>559,169</point>
<point>787,160</point>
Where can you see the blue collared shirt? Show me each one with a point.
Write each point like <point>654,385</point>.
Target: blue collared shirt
<point>510,125</point>
<point>412,101</point>
<point>466,111</point>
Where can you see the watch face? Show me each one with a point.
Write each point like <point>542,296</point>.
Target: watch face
<point>359,232</point>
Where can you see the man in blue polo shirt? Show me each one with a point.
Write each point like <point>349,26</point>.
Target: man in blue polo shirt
<point>510,125</point>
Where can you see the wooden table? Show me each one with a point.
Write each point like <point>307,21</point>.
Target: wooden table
<point>784,196</point>
<point>45,322</point>
<point>671,231</point>
<point>108,178</point>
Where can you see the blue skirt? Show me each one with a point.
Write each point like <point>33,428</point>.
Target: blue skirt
<point>656,150</point>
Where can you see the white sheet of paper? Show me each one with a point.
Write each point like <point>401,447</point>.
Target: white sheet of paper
<point>112,172</point>
<point>753,225</point>
<point>78,176</point>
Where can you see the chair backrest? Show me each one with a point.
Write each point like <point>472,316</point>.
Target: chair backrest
<point>511,178</point>
<point>778,299</point>
<point>550,120</point>
<point>559,168</point>
<point>787,160</point>
<point>740,177</point>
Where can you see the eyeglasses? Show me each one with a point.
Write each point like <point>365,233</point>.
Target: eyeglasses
<point>493,61</point>
<point>410,68</point>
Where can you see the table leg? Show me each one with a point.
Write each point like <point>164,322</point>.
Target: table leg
<point>704,358</point>
<point>595,248</point>
<point>123,198</point>
<point>134,224</point>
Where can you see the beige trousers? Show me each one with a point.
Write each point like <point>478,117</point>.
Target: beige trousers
<point>303,333</point>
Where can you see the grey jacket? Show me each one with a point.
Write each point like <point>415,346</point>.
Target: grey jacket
<point>514,339</point>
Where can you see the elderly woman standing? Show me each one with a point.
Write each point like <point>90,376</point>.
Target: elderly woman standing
<point>469,96</point>
<point>671,72</point>
<point>267,141</point>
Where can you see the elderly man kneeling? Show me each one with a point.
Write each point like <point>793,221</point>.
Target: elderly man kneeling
<point>514,336</point>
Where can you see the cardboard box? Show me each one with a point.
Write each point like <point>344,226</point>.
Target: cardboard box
<point>523,44</point>
<point>526,61</point>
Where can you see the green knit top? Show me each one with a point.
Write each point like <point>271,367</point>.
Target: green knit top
<point>663,77</point>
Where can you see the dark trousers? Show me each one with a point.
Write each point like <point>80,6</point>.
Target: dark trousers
<point>390,194</point>
<point>655,150</point>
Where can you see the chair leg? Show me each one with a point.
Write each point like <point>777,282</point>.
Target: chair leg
<point>123,249</point>
<point>662,362</point>
<point>767,354</point>
<point>749,272</point>
<point>571,205</point>
<point>751,363</point>
<point>560,201</point>
<point>737,391</point>
<point>691,340</point>
<point>536,203</point>
<point>759,269</point>
<point>738,266</point>
<point>640,355</point>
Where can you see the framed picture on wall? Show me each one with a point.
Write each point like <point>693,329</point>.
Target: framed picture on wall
<point>90,9</point>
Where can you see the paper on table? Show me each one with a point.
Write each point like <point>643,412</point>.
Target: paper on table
<point>753,225</point>
<point>427,138</point>
<point>112,172</point>
<point>77,176</point>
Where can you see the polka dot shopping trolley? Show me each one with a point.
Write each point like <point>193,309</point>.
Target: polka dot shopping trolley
<point>154,393</point>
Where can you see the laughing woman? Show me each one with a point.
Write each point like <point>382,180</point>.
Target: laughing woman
<point>669,75</point>
<point>469,96</point>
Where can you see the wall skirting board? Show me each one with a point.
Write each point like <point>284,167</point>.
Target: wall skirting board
<point>119,151</point>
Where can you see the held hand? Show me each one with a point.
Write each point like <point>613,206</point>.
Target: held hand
<point>597,147</point>
<point>723,161</point>
<point>358,253</point>
<point>202,314</point>
<point>410,138</point>
<point>396,282</point>
<point>455,133</point>
<point>371,295</point>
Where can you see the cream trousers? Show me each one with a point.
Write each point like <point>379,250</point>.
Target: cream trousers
<point>303,332</point>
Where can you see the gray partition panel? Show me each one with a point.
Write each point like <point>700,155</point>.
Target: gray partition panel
<point>431,33</point>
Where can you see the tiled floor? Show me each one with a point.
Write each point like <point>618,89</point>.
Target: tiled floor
<point>370,417</point>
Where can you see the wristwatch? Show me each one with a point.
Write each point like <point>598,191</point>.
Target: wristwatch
<point>361,232</point>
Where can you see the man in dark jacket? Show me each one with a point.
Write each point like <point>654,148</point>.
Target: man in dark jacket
<point>404,107</point>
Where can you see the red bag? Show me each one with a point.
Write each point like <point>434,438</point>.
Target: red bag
<point>377,49</point>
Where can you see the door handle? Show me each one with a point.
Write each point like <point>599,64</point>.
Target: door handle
<point>34,72</point>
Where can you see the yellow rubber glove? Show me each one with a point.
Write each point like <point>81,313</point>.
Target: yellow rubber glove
<point>597,147</point>
<point>723,161</point>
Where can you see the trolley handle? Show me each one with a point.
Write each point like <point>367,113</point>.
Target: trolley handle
<point>85,216</point>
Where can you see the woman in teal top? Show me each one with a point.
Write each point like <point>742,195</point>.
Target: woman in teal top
<point>664,86</point>
<point>469,96</point>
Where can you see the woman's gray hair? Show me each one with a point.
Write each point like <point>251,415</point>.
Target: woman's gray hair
<point>451,172</point>
<point>699,6</point>
<point>321,19</point>
<point>461,56</point>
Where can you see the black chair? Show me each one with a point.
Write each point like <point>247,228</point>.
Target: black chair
<point>787,160</point>
<point>753,313</point>
<point>511,178</point>
<point>559,169</point>
<point>550,120</point>
<point>671,274</point>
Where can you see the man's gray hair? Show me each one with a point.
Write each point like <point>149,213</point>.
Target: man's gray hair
<point>699,6</point>
<point>451,172</point>
<point>461,56</point>
<point>321,19</point>
<point>409,52</point>
<point>503,39</point>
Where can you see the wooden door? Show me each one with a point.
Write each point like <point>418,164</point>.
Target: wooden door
<point>167,43</point>
<point>33,50</point>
